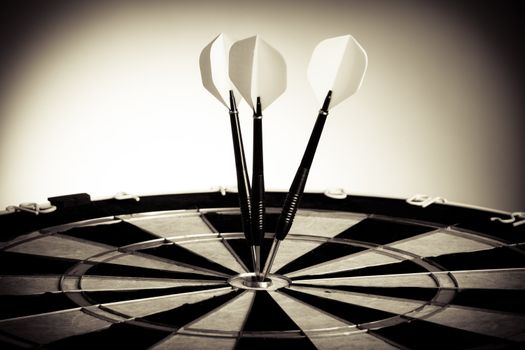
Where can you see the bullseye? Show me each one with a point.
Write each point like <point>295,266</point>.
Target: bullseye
<point>250,282</point>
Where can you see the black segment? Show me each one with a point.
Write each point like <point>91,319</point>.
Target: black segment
<point>497,258</point>
<point>412,293</point>
<point>496,229</point>
<point>120,335</point>
<point>402,267</point>
<point>267,316</point>
<point>105,269</point>
<point>418,334</point>
<point>242,250</point>
<point>259,343</point>
<point>506,300</point>
<point>12,263</point>
<point>382,232</point>
<point>177,253</point>
<point>187,313</point>
<point>353,313</point>
<point>123,295</point>
<point>325,252</point>
<point>368,230</point>
<point>24,305</point>
<point>119,234</point>
<point>224,222</point>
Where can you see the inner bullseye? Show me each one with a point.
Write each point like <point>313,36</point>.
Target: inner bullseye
<point>249,281</point>
<point>255,283</point>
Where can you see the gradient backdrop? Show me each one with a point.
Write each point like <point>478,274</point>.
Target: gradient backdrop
<point>105,96</point>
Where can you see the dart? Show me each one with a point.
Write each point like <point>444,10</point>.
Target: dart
<point>335,71</point>
<point>215,78</point>
<point>259,73</point>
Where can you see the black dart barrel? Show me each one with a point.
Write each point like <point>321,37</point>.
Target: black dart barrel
<point>258,209</point>
<point>335,71</point>
<point>243,182</point>
<point>297,188</point>
<point>293,198</point>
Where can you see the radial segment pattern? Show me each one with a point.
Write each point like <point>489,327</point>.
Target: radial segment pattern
<point>162,280</point>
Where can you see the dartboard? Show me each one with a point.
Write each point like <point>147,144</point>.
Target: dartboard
<point>166,272</point>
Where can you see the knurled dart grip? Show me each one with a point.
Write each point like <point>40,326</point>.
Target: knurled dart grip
<point>291,204</point>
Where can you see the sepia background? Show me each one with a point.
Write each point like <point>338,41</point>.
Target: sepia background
<point>105,96</point>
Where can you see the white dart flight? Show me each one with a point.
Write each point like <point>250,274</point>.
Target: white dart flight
<point>338,65</point>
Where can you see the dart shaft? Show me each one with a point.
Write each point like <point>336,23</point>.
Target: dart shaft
<point>293,198</point>
<point>243,182</point>
<point>258,208</point>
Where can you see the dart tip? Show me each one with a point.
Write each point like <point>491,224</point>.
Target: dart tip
<point>271,258</point>
<point>257,262</point>
<point>253,253</point>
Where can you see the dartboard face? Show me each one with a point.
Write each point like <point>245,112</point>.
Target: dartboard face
<point>169,272</point>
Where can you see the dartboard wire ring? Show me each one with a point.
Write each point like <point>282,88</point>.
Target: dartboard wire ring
<point>52,230</point>
<point>133,248</point>
<point>393,252</point>
<point>83,266</point>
